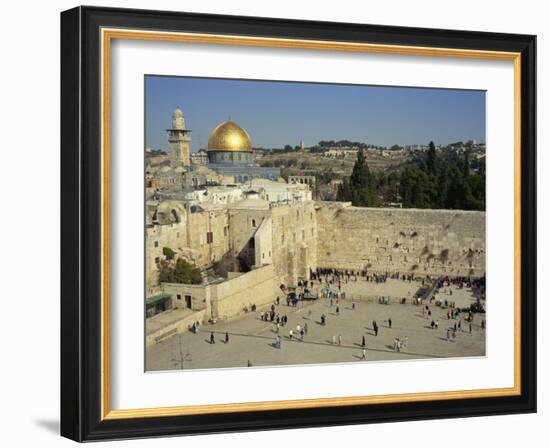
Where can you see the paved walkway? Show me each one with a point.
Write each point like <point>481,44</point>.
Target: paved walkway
<point>251,339</point>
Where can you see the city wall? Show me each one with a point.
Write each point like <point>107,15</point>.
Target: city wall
<point>425,242</point>
<point>230,297</point>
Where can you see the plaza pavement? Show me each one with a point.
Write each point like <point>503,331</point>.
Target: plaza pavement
<point>252,340</point>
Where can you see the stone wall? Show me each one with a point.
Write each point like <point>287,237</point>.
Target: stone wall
<point>258,287</point>
<point>226,299</point>
<point>201,238</point>
<point>294,241</point>
<point>175,327</point>
<point>173,236</point>
<point>199,225</point>
<point>426,242</point>
<point>200,295</point>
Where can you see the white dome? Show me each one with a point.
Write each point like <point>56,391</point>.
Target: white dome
<point>178,122</point>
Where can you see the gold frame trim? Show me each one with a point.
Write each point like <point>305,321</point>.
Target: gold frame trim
<point>107,35</point>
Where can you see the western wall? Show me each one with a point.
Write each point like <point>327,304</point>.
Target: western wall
<point>424,242</point>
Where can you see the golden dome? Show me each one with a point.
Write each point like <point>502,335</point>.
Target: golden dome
<point>229,136</point>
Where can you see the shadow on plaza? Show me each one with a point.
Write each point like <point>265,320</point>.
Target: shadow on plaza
<point>326,343</point>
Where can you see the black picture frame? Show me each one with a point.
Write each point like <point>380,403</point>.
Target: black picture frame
<point>81,224</point>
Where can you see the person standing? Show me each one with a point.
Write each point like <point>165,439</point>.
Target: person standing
<point>363,354</point>
<point>389,322</point>
<point>333,339</point>
<point>212,341</point>
<point>339,339</point>
<point>363,341</point>
<point>226,337</point>
<point>470,328</point>
<point>290,335</point>
<point>305,328</point>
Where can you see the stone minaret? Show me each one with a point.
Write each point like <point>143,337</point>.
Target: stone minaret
<point>180,140</point>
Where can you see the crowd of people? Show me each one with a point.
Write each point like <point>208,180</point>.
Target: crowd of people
<point>462,320</point>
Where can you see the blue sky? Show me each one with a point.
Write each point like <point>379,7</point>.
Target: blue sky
<point>279,113</point>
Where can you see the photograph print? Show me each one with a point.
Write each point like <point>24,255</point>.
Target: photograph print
<point>293,223</point>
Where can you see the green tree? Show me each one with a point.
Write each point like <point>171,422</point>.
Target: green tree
<point>361,183</point>
<point>168,253</point>
<point>181,272</point>
<point>430,162</point>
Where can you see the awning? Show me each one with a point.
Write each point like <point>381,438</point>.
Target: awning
<point>157,298</point>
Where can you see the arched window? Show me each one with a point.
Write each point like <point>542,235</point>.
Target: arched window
<point>253,223</point>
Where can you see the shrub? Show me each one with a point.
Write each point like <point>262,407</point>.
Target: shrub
<point>182,272</point>
<point>168,253</point>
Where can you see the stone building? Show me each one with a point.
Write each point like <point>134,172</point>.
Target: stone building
<point>199,158</point>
